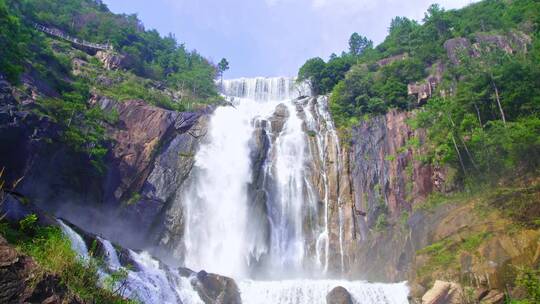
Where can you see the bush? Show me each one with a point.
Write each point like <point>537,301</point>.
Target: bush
<point>52,251</point>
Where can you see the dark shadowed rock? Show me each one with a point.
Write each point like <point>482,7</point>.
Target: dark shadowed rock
<point>339,295</point>
<point>141,128</point>
<point>216,289</point>
<point>20,281</point>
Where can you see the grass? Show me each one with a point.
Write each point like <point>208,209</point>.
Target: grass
<point>443,254</point>
<point>135,197</point>
<point>52,252</point>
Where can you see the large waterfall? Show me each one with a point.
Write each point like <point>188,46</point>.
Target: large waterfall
<point>268,203</point>
<point>224,233</point>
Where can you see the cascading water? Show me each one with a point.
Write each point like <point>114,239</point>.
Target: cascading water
<point>149,282</point>
<point>300,181</point>
<point>264,204</point>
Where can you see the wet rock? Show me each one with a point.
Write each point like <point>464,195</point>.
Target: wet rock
<point>444,293</point>
<point>216,289</point>
<point>163,189</point>
<point>279,118</point>
<point>140,130</point>
<point>339,295</point>
<point>388,180</point>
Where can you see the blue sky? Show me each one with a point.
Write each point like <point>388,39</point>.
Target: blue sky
<point>272,37</point>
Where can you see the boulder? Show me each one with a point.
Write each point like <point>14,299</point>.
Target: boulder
<point>111,60</point>
<point>216,289</point>
<point>494,296</point>
<point>21,282</point>
<point>339,295</point>
<point>444,293</point>
<point>278,119</point>
<point>455,47</point>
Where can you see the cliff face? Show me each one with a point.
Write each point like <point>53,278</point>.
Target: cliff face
<point>388,179</point>
<point>476,240</point>
<point>151,152</point>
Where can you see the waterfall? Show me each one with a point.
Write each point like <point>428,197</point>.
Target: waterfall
<point>218,235</point>
<point>260,88</point>
<point>149,282</point>
<point>314,292</point>
<point>77,242</point>
<point>266,203</point>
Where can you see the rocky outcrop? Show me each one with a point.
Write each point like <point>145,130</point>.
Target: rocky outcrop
<point>385,174</point>
<point>111,60</point>
<point>21,280</point>
<point>392,59</point>
<point>509,43</point>
<point>140,130</point>
<point>339,295</point>
<point>425,89</point>
<point>278,119</point>
<point>163,189</point>
<point>216,289</point>
<point>444,293</point>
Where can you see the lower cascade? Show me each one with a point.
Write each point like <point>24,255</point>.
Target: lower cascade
<point>268,203</point>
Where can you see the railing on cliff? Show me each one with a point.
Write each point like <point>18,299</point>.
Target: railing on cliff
<point>76,41</point>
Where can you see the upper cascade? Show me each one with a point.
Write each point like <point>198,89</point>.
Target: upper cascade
<point>264,89</point>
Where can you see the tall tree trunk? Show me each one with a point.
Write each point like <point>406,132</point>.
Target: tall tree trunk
<point>498,99</point>
<point>459,154</point>
<point>463,143</point>
<point>478,113</point>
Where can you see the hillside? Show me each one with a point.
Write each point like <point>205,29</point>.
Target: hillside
<point>122,167</point>
<point>442,119</point>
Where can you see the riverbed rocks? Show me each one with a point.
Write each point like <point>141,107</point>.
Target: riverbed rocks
<point>216,289</point>
<point>339,295</point>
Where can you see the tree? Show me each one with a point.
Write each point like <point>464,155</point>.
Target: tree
<point>312,71</point>
<point>223,65</point>
<point>14,42</point>
<point>357,44</point>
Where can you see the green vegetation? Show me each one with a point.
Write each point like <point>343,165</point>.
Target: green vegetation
<point>444,253</point>
<point>381,222</point>
<point>147,53</point>
<point>156,68</point>
<point>483,119</point>
<point>82,126</point>
<point>53,253</point>
<point>13,40</point>
<point>529,280</point>
<point>135,197</point>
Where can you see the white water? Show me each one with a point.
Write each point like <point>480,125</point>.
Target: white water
<point>219,234</point>
<point>315,291</point>
<point>218,231</point>
<point>150,282</point>
<point>77,242</point>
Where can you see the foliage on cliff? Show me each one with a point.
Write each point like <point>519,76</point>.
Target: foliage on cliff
<point>485,121</point>
<point>61,79</point>
<point>148,54</point>
<point>52,252</point>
